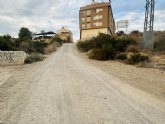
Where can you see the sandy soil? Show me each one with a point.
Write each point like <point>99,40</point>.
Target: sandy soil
<point>149,80</point>
<point>67,88</point>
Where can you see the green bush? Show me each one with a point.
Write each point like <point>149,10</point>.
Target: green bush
<point>120,33</point>
<point>39,47</point>
<point>96,54</point>
<point>104,53</point>
<point>103,39</point>
<point>7,43</point>
<point>34,57</point>
<point>27,45</point>
<point>123,42</point>
<point>85,46</point>
<point>121,56</point>
<point>136,58</point>
<point>104,46</point>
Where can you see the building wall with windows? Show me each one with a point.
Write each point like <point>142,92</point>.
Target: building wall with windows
<point>95,18</point>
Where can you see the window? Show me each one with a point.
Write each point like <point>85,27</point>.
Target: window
<point>101,17</point>
<point>100,24</point>
<point>97,24</point>
<point>88,25</point>
<point>99,10</point>
<point>82,19</point>
<point>88,12</point>
<point>94,24</point>
<point>82,13</point>
<point>97,17</point>
<point>94,11</point>
<point>83,26</point>
<point>88,19</point>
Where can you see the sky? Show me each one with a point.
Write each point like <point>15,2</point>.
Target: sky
<point>51,15</point>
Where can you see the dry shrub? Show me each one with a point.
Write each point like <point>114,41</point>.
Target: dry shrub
<point>24,46</point>
<point>137,58</point>
<point>50,49</point>
<point>159,44</point>
<point>34,57</point>
<point>107,52</point>
<point>57,44</point>
<point>133,48</point>
<point>121,56</point>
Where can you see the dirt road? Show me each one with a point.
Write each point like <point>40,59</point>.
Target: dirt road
<point>67,89</point>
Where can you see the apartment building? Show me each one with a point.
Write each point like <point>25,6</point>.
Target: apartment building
<point>96,18</point>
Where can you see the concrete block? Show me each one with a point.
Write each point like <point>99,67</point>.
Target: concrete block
<point>148,38</point>
<point>12,57</point>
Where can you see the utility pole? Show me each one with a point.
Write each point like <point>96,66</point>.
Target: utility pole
<point>148,35</point>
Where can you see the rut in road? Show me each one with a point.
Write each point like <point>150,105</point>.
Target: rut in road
<point>66,89</point>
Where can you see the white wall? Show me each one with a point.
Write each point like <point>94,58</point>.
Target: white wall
<point>86,34</point>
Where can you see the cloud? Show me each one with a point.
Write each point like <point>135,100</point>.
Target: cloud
<point>136,20</point>
<point>51,15</point>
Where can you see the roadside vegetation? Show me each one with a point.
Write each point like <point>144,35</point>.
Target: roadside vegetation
<point>159,41</point>
<point>35,49</point>
<point>122,47</point>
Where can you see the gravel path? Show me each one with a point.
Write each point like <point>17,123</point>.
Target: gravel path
<point>67,89</point>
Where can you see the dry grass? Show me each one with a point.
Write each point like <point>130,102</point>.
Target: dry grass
<point>50,49</point>
<point>34,57</point>
<point>132,48</point>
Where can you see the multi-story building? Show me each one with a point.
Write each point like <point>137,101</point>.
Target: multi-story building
<point>96,18</point>
<point>65,35</point>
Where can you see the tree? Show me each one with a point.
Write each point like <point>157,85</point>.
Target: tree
<point>120,33</point>
<point>6,43</point>
<point>25,34</point>
<point>135,32</point>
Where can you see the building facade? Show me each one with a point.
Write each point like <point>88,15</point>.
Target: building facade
<point>65,35</point>
<point>96,18</point>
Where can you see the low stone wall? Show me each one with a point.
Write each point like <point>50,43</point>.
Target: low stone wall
<point>12,57</point>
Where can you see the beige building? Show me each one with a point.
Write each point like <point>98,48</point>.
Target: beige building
<point>65,35</point>
<point>96,18</point>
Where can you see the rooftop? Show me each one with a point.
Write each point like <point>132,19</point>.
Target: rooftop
<point>95,5</point>
<point>45,33</point>
<point>64,30</point>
